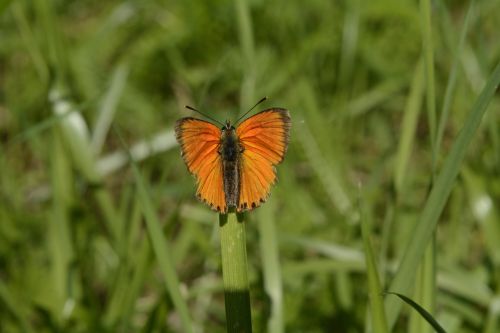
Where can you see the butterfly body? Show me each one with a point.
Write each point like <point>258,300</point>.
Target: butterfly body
<point>230,151</point>
<point>235,166</point>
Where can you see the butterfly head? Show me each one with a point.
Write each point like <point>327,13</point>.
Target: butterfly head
<point>228,126</point>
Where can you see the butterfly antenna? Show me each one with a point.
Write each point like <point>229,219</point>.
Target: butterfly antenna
<point>204,115</point>
<point>253,107</point>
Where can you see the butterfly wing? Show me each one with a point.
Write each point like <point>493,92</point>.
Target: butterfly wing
<point>264,139</point>
<point>200,142</point>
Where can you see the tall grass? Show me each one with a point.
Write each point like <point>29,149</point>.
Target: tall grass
<point>96,235</point>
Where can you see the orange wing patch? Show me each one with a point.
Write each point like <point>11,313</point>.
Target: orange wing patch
<point>200,142</point>
<point>264,138</point>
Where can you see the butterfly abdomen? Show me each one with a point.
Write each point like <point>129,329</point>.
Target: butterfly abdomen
<point>230,152</point>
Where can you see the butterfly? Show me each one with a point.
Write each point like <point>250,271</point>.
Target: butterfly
<point>234,166</point>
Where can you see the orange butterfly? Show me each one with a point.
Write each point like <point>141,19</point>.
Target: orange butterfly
<point>234,166</point>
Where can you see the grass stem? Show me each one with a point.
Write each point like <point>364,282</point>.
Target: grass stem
<point>234,272</point>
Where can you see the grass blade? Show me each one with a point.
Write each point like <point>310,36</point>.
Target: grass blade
<point>452,80</point>
<point>379,321</point>
<point>141,150</point>
<point>440,192</point>
<point>36,130</point>
<point>29,39</point>
<point>12,306</point>
<point>75,134</point>
<point>329,178</point>
<point>59,229</point>
<point>493,320</point>
<point>409,127</point>
<point>425,11</point>
<point>245,31</point>
<point>426,315</point>
<point>271,266</point>
<point>425,289</point>
<point>108,107</point>
<point>161,249</point>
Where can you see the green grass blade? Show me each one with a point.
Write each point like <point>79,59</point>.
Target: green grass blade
<point>328,249</point>
<point>428,48</point>
<point>11,305</point>
<point>136,283</point>
<point>429,277</point>
<point>75,133</point>
<point>374,97</point>
<point>161,249</point>
<point>440,192</point>
<point>425,290</point>
<point>409,127</point>
<point>350,36</point>
<point>245,30</point>
<point>379,321</point>
<point>108,106</point>
<point>39,128</point>
<point>493,320</point>
<point>426,315</point>
<point>452,80</point>
<point>59,228</point>
<point>139,151</point>
<point>329,178</point>
<point>76,137</point>
<point>29,40</point>
<point>271,266</point>
<point>52,37</point>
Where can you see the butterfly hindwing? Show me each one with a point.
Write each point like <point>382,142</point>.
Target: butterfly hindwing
<point>264,138</point>
<point>200,143</point>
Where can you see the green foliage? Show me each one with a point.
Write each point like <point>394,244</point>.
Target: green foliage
<point>91,242</point>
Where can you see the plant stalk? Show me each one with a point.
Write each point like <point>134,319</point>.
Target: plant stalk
<point>234,273</point>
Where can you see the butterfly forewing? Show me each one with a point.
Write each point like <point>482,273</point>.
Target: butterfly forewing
<point>200,143</point>
<point>264,139</point>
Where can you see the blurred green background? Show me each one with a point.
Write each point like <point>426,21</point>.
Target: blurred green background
<point>86,243</point>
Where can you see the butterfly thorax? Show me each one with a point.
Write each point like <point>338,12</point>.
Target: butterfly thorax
<point>230,145</point>
<point>230,150</point>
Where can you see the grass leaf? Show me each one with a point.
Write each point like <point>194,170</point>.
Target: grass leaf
<point>426,315</point>
<point>271,267</point>
<point>377,309</point>
<point>452,81</point>
<point>428,48</point>
<point>426,224</point>
<point>108,106</point>
<point>161,249</point>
